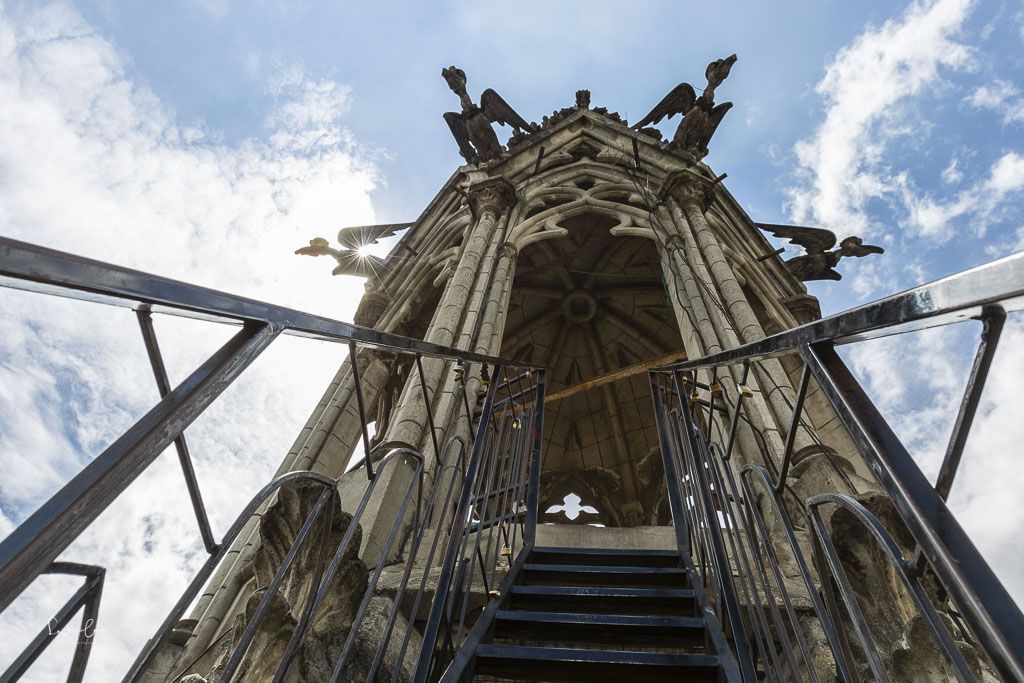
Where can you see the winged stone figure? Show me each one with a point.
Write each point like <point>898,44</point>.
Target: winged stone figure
<point>472,127</point>
<point>351,258</point>
<point>820,260</point>
<point>700,114</point>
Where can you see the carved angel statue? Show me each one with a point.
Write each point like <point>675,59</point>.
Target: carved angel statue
<point>818,263</point>
<point>472,127</point>
<point>352,257</point>
<point>700,115</point>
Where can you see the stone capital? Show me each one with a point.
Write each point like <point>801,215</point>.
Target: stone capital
<point>367,356</point>
<point>371,308</point>
<point>686,187</point>
<point>493,195</point>
<point>675,242</point>
<point>508,250</point>
<point>804,307</point>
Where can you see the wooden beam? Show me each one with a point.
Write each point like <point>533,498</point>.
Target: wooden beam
<point>615,376</point>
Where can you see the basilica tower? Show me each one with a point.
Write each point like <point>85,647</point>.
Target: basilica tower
<point>593,264</point>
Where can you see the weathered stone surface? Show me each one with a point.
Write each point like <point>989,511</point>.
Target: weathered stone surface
<point>905,644</point>
<point>366,650</point>
<point>279,527</point>
<point>472,126</point>
<point>574,252</point>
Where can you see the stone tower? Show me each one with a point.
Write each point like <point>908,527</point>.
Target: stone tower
<point>597,251</point>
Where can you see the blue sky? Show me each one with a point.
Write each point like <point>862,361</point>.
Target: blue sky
<point>206,139</point>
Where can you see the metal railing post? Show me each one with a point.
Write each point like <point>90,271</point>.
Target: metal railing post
<point>723,567</point>
<point>444,580</point>
<point>673,481</point>
<point>163,384</point>
<point>53,527</point>
<point>787,453</point>
<point>533,487</point>
<point>993,319</point>
<point>358,386</point>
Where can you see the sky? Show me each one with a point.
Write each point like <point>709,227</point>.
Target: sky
<point>207,139</point>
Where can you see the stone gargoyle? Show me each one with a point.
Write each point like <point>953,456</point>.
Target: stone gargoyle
<point>472,127</point>
<point>352,258</point>
<point>700,114</point>
<point>820,260</point>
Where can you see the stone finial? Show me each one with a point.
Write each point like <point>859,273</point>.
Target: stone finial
<point>583,99</point>
<point>492,195</point>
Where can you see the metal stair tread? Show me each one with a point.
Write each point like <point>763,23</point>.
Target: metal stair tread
<point>584,655</point>
<point>589,619</point>
<point>571,550</point>
<point>602,592</point>
<point>603,569</point>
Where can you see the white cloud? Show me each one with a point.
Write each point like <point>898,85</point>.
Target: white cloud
<point>1000,96</point>
<point>874,92</point>
<point>991,96</point>
<point>842,166</point>
<point>1007,175</point>
<point>983,200</point>
<point>95,164</point>
<point>952,175</point>
<point>930,369</point>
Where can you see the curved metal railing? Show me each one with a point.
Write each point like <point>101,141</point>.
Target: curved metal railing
<point>767,558</point>
<point>436,499</point>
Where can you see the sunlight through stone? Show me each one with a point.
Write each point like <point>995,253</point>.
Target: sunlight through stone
<point>571,507</point>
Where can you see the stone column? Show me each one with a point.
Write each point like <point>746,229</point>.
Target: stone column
<point>691,198</point>
<point>492,328</point>
<point>710,336</point>
<point>482,334</point>
<point>488,200</point>
<point>410,425</point>
<point>328,439</point>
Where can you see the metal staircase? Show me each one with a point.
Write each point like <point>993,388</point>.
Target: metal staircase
<point>469,513</point>
<point>588,614</point>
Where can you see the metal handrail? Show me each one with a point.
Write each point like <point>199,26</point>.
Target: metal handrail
<point>33,546</point>
<point>951,299</point>
<point>985,293</point>
<point>829,563</point>
<point>34,268</point>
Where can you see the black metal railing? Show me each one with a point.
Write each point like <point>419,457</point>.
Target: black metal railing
<point>773,569</point>
<point>494,524</point>
<point>464,513</point>
<point>86,598</point>
<point>470,508</point>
